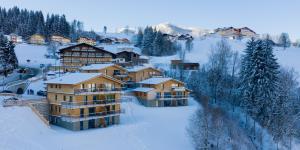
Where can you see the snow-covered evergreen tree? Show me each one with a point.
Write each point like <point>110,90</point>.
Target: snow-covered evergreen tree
<point>139,38</point>
<point>284,40</point>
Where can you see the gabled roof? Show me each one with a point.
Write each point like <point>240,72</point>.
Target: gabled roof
<point>77,78</point>
<point>143,89</point>
<point>158,80</point>
<point>85,44</point>
<point>100,66</point>
<point>140,68</point>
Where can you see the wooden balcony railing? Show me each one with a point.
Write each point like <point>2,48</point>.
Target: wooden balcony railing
<point>89,116</point>
<point>89,103</point>
<point>97,90</point>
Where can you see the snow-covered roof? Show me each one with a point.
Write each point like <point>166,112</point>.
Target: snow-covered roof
<point>137,68</point>
<point>97,66</point>
<point>142,89</point>
<point>155,80</point>
<point>116,48</point>
<point>73,78</point>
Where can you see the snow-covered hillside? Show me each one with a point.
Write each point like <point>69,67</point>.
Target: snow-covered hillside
<point>175,30</point>
<point>141,128</point>
<point>34,53</point>
<point>202,47</point>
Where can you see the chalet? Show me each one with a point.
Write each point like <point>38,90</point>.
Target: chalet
<point>106,41</point>
<point>15,38</point>
<point>109,69</point>
<point>122,41</point>
<point>60,39</point>
<point>86,40</point>
<point>235,33</point>
<point>76,56</point>
<point>36,39</point>
<point>80,101</point>
<point>139,73</point>
<point>178,64</point>
<point>162,92</point>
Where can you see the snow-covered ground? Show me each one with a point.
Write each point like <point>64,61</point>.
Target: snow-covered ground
<point>202,46</point>
<point>34,53</point>
<point>141,128</point>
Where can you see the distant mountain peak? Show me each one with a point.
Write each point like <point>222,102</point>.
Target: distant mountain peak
<point>170,28</point>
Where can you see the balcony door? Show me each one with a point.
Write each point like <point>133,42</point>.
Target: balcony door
<point>82,112</point>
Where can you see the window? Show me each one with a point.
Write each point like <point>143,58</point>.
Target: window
<point>56,86</point>
<point>65,97</point>
<point>51,86</point>
<point>71,98</point>
<point>59,86</point>
<point>55,97</point>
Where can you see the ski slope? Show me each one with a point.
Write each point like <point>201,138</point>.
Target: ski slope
<point>141,128</point>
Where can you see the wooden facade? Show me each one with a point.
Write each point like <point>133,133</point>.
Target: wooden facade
<point>60,39</point>
<point>138,73</point>
<point>87,104</point>
<point>178,64</point>
<point>37,39</point>
<point>168,92</point>
<point>86,40</point>
<point>112,70</point>
<point>74,57</point>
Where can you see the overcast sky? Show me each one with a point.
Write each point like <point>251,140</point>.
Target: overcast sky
<point>263,16</point>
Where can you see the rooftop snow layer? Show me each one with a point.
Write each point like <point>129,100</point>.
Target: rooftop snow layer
<point>116,48</point>
<point>155,80</point>
<point>97,66</point>
<point>143,89</point>
<point>73,78</point>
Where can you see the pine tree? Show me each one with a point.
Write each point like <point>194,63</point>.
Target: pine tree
<point>284,40</point>
<point>158,44</point>
<point>139,38</point>
<point>148,38</point>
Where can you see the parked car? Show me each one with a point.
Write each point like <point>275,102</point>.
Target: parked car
<point>41,93</point>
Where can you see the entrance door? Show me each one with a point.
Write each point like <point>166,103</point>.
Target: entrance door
<point>92,111</point>
<point>81,125</point>
<point>92,123</point>
<point>81,112</point>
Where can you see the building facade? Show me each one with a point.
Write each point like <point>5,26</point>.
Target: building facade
<point>139,73</point>
<point>37,39</point>
<point>80,101</point>
<point>76,56</point>
<point>162,92</point>
<point>60,39</point>
<point>86,40</point>
<point>109,69</point>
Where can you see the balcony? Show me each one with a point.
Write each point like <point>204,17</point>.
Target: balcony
<point>172,97</point>
<point>117,74</point>
<point>89,116</point>
<point>97,91</point>
<point>179,89</point>
<point>93,103</point>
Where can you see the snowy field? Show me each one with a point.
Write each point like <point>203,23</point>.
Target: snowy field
<point>34,53</point>
<point>141,128</point>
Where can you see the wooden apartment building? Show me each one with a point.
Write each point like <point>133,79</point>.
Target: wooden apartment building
<point>60,39</point>
<point>76,56</point>
<point>162,92</point>
<point>86,40</point>
<point>79,101</point>
<point>139,73</point>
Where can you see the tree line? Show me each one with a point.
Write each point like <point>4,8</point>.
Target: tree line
<point>25,23</point>
<point>155,43</point>
<point>8,58</point>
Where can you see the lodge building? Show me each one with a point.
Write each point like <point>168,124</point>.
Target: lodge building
<point>76,56</point>
<point>162,92</point>
<point>80,101</point>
